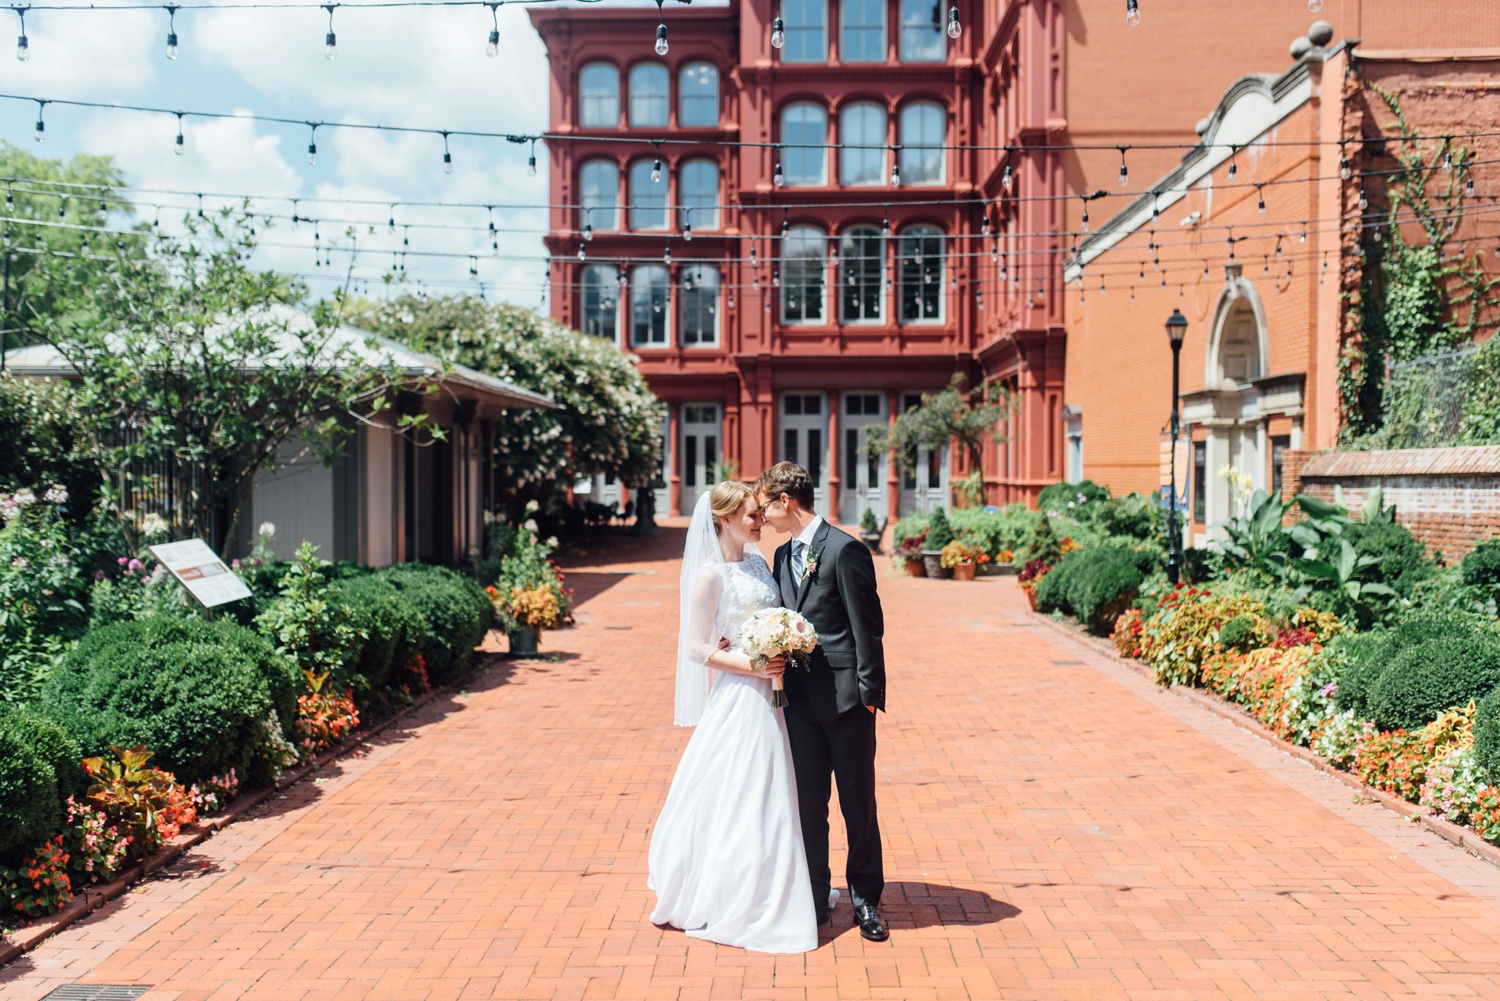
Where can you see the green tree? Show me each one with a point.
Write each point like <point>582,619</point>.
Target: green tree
<point>195,371</point>
<point>83,191</point>
<point>952,415</point>
<point>608,421</point>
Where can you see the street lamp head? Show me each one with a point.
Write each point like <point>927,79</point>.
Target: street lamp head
<point>1177,325</point>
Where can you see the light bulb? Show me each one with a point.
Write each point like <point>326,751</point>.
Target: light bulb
<point>1007,179</point>
<point>1469,186</point>
<point>1364,202</point>
<point>447,162</point>
<point>1260,208</point>
<point>687,231</point>
<point>954,28</point>
<point>1132,13</point>
<point>40,136</point>
<point>1234,169</point>
<point>581,253</point>
<point>492,49</point>
<point>1124,175</point>
<point>330,46</point>
<point>666,255</point>
<point>312,154</point>
<point>777,178</point>
<point>661,39</point>
<point>588,231</point>
<point>778,33</point>
<point>531,165</point>
<point>23,48</point>
<point>656,172</point>
<point>1085,221</point>
<point>1448,161</point>
<point>1344,172</point>
<point>177,146</point>
<point>895,175</point>
<point>1314,5</point>
<point>171,45</point>
<point>885,227</point>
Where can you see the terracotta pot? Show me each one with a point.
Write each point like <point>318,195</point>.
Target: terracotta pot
<point>933,561</point>
<point>915,566</point>
<point>523,642</point>
<point>1030,596</point>
<point>964,571</point>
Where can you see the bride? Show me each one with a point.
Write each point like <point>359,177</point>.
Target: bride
<point>726,860</point>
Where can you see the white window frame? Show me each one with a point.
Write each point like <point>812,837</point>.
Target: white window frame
<point>705,217</point>
<point>918,148</point>
<point>868,154</point>
<point>905,266</point>
<point>587,121</point>
<point>666,306</point>
<point>846,25</point>
<point>794,157</point>
<point>657,199</point>
<point>638,74</point>
<point>918,17</point>
<point>806,31</point>
<point>686,95</point>
<point>818,238</point>
<point>698,270</point>
<point>600,215</point>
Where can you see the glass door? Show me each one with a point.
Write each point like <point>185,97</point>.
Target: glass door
<point>699,451</point>
<point>863,475</point>
<point>804,440</point>
<point>924,472</point>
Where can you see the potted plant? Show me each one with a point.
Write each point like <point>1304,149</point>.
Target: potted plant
<point>524,612</point>
<point>870,530</point>
<point>1004,563</point>
<point>910,553</point>
<point>939,534</point>
<point>963,559</point>
<point>1032,572</point>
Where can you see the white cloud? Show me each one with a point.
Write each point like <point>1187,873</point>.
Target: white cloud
<point>89,55</point>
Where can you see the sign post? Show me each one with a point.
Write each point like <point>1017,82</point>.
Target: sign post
<point>200,570</point>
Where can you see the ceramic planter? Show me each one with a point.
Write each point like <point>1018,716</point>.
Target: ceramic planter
<point>964,571</point>
<point>523,642</point>
<point>871,539</point>
<point>932,559</point>
<point>916,566</point>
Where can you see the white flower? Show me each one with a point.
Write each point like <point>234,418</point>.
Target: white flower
<point>56,494</point>
<point>154,525</point>
<point>532,507</point>
<point>552,541</point>
<point>489,517</point>
<point>266,530</point>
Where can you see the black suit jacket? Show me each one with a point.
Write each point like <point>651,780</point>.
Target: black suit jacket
<point>840,600</point>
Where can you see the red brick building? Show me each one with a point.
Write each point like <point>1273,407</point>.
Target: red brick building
<point>725,211</point>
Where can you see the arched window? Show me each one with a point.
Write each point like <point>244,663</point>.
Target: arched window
<point>601,302</point>
<point>862,140</point>
<point>648,306</point>
<point>804,131</point>
<point>863,31</point>
<point>648,198</point>
<point>599,194</point>
<point>698,96</point>
<point>599,96</point>
<point>698,189</point>
<point>922,275</point>
<point>923,38</point>
<point>923,131</point>
<point>699,303</point>
<point>648,95</point>
<point>806,31</point>
<point>804,255</point>
<point>861,266</point>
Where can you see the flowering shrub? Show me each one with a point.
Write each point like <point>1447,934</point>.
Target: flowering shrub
<point>137,589</point>
<point>97,849</point>
<point>323,718</point>
<point>1392,761</point>
<point>1453,786</point>
<point>1184,631</point>
<point>41,591</point>
<point>1005,556</point>
<point>525,607</point>
<point>1127,635</point>
<point>272,746</point>
<point>214,793</point>
<point>1340,737</point>
<point>411,677</point>
<point>1486,816</point>
<point>133,796</point>
<point>959,552</point>
<point>1273,684</point>
<point>1066,546</point>
<point>178,811</point>
<point>41,886</point>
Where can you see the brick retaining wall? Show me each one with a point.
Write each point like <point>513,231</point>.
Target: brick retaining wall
<point>1448,497</point>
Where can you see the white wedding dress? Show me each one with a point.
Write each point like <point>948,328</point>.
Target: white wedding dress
<point>726,860</point>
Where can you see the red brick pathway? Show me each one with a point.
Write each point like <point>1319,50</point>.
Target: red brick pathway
<point>1055,828</point>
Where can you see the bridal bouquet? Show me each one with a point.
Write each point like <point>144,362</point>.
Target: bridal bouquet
<point>773,631</point>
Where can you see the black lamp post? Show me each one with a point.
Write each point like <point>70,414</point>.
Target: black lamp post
<point>1177,325</point>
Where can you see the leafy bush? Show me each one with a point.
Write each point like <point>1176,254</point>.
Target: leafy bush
<point>939,531</point>
<point>1424,681</point>
<point>1400,558</point>
<point>42,589</point>
<point>1481,567</point>
<point>1096,584</point>
<point>1053,591</point>
<point>30,807</point>
<point>1041,544</point>
<point>1183,632</point>
<point>994,531</point>
<point>1487,736</point>
<point>308,625</point>
<point>912,526</point>
<point>456,611</point>
<point>1240,633</point>
<point>1059,496</point>
<point>51,743</point>
<point>390,628</point>
<point>1364,656</point>
<point>45,442</point>
<point>197,693</point>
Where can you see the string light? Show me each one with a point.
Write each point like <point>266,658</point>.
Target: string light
<point>447,156</point>
<point>582,254</point>
<point>177,144</point>
<point>895,167</point>
<point>1447,155</point>
<point>1124,170</point>
<point>1234,166</point>
<point>171,32</point>
<point>656,167</point>
<point>1007,179</point>
<point>41,126</point>
<point>777,177</point>
<point>778,29</point>
<point>588,231</point>
<point>1469,186</point>
<point>661,31</point>
<point>492,47</point>
<point>954,28</point>
<point>1345,172</point>
<point>531,161</point>
<point>1364,202</point>
<point>330,40</point>
<point>1314,5</point>
<point>1260,206</point>
<point>23,44</point>
<point>312,145</point>
<point>1133,13</point>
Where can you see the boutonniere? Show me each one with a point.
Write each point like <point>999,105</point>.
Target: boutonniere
<point>812,565</point>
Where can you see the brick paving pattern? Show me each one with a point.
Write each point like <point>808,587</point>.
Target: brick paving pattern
<point>1055,828</point>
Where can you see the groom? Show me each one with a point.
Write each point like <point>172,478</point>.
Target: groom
<point>829,577</point>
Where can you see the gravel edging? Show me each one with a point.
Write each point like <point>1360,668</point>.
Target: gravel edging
<point>1461,837</point>
<point>90,899</point>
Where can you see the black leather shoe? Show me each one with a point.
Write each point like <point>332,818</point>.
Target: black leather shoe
<point>871,924</point>
<point>823,919</point>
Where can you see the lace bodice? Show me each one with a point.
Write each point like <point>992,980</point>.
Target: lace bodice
<point>748,587</point>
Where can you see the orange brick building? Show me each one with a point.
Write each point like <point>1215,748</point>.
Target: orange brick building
<point>782,295</point>
<point>1260,239</point>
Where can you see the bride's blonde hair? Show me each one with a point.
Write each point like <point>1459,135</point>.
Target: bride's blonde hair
<point>725,501</point>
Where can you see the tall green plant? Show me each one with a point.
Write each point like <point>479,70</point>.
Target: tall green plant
<point>953,415</point>
<point>308,625</point>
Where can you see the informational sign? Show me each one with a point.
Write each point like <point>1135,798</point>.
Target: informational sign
<point>200,570</point>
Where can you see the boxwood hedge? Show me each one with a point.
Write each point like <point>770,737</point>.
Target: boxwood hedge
<point>456,614</point>
<point>1364,656</point>
<point>393,628</point>
<point>1487,736</point>
<point>1425,680</point>
<point>39,769</point>
<point>196,692</point>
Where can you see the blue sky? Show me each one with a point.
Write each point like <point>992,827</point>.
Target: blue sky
<point>399,66</point>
